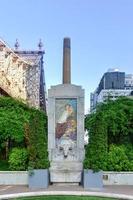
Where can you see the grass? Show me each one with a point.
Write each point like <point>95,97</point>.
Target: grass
<point>4,165</point>
<point>65,198</point>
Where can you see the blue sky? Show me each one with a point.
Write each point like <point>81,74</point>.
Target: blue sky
<point>101,33</point>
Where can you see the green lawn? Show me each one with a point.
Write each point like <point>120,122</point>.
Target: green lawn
<point>65,198</point>
<point>4,165</point>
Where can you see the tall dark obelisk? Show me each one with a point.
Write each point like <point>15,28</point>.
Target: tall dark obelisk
<point>66,61</point>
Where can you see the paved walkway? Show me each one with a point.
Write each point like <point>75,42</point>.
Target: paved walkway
<point>119,192</point>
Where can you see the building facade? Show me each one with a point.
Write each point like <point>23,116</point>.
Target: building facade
<point>129,81</point>
<point>113,84</point>
<point>22,75</point>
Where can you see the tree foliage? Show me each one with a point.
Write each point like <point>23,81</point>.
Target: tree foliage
<point>18,159</point>
<point>119,158</point>
<point>36,137</point>
<point>13,116</point>
<point>111,124</point>
<point>19,124</point>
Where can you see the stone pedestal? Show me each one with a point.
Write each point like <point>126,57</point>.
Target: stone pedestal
<point>66,133</point>
<point>38,179</point>
<point>65,172</point>
<point>92,180</point>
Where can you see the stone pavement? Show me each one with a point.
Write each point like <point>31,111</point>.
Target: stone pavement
<point>119,192</point>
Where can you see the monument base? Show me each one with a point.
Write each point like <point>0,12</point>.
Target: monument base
<point>66,172</point>
<point>66,184</point>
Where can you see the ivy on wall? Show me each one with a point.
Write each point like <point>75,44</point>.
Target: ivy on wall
<point>110,136</point>
<point>22,127</point>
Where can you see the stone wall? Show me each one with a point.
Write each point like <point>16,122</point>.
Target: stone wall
<point>109,178</point>
<point>13,178</point>
<point>32,85</point>
<point>21,74</point>
<point>12,74</point>
<point>118,178</point>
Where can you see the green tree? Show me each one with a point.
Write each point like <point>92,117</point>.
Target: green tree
<point>112,123</point>
<point>18,159</point>
<point>13,116</point>
<point>96,151</point>
<point>37,141</point>
<point>24,128</point>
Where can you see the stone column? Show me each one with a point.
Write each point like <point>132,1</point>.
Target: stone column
<point>66,145</point>
<point>66,61</point>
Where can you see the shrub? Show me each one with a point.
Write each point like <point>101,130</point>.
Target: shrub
<point>18,159</point>
<point>117,159</point>
<point>26,128</point>
<point>13,116</point>
<point>110,131</point>
<point>96,150</point>
<point>37,141</point>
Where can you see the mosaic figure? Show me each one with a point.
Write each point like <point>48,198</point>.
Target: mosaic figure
<point>66,122</point>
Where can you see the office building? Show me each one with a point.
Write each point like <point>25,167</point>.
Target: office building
<point>113,84</point>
